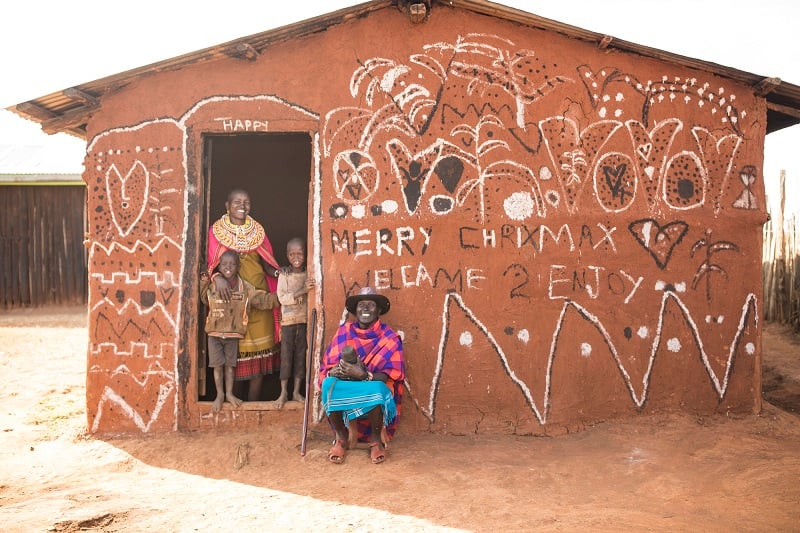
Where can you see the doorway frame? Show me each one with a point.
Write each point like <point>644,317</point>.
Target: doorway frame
<point>223,116</point>
<point>275,169</point>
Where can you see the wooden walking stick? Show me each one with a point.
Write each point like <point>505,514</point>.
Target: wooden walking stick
<point>309,363</point>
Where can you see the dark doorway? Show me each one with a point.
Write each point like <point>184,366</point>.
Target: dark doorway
<point>275,169</point>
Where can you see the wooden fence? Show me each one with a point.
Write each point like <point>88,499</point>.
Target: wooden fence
<point>42,257</point>
<point>780,267</point>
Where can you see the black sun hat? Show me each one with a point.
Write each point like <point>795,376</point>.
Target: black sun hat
<point>368,293</point>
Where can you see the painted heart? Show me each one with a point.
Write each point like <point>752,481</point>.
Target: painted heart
<point>659,241</point>
<point>614,176</point>
<point>644,150</point>
<point>166,294</point>
<point>449,171</point>
<point>127,196</point>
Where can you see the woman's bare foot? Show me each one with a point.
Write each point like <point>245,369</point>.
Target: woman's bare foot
<point>296,397</point>
<point>281,400</point>
<point>217,404</point>
<point>236,402</point>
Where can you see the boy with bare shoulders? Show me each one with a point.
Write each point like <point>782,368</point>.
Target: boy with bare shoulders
<point>226,322</point>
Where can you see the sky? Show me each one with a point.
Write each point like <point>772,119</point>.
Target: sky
<point>49,46</point>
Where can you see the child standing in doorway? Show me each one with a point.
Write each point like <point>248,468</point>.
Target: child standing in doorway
<point>293,288</point>
<point>227,320</point>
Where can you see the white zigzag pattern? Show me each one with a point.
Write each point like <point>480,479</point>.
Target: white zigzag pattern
<point>638,399</point>
<point>109,395</point>
<point>105,302</point>
<point>123,369</point>
<point>131,249</point>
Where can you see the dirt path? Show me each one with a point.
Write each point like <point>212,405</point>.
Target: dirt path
<point>660,473</point>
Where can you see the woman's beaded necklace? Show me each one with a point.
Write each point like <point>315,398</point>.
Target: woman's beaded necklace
<point>239,237</point>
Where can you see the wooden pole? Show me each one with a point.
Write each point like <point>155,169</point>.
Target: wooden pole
<point>768,268</point>
<point>794,279</point>
<point>782,256</point>
<point>310,359</point>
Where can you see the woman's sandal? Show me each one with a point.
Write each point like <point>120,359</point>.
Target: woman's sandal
<point>377,453</point>
<point>336,453</point>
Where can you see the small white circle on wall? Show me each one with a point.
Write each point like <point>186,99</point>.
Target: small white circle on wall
<point>673,345</point>
<point>519,206</point>
<point>358,211</point>
<point>389,206</point>
<point>465,339</point>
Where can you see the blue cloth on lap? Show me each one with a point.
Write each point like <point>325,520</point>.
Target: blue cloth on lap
<point>355,398</point>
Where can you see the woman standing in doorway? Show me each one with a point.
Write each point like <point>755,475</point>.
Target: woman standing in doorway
<point>259,350</point>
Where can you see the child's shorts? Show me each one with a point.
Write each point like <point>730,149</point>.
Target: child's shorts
<point>222,352</point>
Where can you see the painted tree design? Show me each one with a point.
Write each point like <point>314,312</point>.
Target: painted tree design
<point>484,140</point>
<point>708,267</point>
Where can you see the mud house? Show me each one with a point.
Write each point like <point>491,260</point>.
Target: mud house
<point>568,225</point>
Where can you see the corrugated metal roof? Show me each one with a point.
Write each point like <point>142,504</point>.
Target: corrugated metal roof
<point>70,109</point>
<point>41,179</point>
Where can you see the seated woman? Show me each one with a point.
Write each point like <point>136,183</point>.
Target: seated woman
<point>362,399</point>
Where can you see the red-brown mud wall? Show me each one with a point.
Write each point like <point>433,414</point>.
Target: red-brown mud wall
<point>567,234</point>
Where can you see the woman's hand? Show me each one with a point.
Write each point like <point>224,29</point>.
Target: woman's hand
<point>222,288</point>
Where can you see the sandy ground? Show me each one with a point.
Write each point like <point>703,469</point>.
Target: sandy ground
<point>660,473</point>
